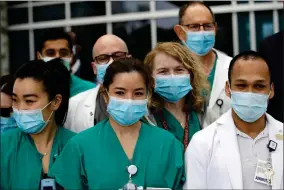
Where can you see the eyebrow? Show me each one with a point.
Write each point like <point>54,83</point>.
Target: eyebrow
<point>30,95</point>
<point>137,89</point>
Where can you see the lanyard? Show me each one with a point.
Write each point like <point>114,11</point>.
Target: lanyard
<point>186,128</point>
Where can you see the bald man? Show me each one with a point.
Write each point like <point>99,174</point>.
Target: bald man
<point>88,108</point>
<point>107,49</point>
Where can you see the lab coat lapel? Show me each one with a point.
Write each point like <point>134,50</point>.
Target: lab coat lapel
<point>276,130</point>
<point>221,75</point>
<point>89,107</point>
<point>230,149</point>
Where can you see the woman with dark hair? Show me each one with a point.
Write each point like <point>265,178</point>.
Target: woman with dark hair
<point>7,122</point>
<point>40,103</point>
<point>122,151</point>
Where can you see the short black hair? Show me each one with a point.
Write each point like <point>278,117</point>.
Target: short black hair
<point>247,55</point>
<point>55,34</point>
<point>127,65</point>
<point>190,3</point>
<point>6,84</point>
<point>55,79</point>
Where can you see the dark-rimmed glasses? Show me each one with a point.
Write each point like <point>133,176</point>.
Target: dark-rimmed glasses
<point>105,58</point>
<point>196,27</point>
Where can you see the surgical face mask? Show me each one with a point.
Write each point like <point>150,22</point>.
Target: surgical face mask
<point>200,42</point>
<point>249,106</point>
<point>172,88</point>
<point>101,71</point>
<point>66,61</point>
<point>7,123</point>
<point>31,121</point>
<point>127,111</point>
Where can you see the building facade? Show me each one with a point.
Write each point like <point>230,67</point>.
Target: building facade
<point>142,24</point>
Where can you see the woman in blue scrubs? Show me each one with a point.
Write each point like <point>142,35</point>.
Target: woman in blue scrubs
<point>177,103</point>
<point>40,102</point>
<point>122,151</point>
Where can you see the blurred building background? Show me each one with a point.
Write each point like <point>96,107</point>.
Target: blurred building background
<point>242,25</point>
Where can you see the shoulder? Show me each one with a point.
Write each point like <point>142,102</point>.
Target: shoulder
<point>11,136</point>
<point>274,123</point>
<point>224,58</point>
<point>92,133</point>
<point>66,134</point>
<point>82,81</point>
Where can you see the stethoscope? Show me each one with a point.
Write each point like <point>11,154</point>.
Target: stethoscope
<point>220,103</point>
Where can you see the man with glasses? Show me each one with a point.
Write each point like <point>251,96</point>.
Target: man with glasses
<point>88,108</point>
<point>197,30</point>
<point>56,43</point>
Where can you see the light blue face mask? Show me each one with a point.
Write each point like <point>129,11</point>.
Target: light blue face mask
<point>172,88</point>
<point>7,123</point>
<point>200,42</point>
<point>127,111</point>
<point>101,71</point>
<point>31,121</point>
<point>249,106</point>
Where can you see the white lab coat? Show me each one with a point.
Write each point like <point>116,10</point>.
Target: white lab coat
<point>212,159</point>
<point>81,111</point>
<point>214,111</point>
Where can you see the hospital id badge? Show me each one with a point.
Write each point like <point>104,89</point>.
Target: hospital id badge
<point>263,174</point>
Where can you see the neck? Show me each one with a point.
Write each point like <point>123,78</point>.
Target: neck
<point>207,61</point>
<point>122,130</point>
<point>45,138</point>
<point>251,129</point>
<point>176,107</point>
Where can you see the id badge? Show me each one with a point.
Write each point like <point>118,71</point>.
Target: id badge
<point>263,174</point>
<point>48,184</point>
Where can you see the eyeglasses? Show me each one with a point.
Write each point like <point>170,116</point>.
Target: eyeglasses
<point>104,58</point>
<point>196,27</point>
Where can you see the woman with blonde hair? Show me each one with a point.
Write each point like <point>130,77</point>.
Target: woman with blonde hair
<point>179,91</point>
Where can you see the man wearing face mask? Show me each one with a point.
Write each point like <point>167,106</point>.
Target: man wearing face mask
<point>243,149</point>
<point>197,30</point>
<point>88,108</point>
<point>57,44</point>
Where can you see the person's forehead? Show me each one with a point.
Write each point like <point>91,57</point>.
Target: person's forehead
<point>128,80</point>
<point>197,14</point>
<point>163,60</point>
<point>108,48</point>
<point>250,68</point>
<point>27,86</point>
<point>56,44</point>
<point>6,100</point>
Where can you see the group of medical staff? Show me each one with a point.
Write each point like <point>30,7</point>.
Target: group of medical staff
<point>187,117</point>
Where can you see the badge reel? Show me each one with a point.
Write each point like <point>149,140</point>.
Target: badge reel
<point>132,170</point>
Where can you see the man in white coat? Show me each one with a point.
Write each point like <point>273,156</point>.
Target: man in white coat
<point>243,149</point>
<point>197,30</point>
<point>88,108</point>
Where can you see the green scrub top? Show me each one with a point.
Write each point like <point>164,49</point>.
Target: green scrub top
<point>174,125</point>
<point>95,159</point>
<point>212,73</point>
<point>79,85</point>
<point>21,164</point>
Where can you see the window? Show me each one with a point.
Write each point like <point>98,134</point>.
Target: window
<point>50,12</point>
<point>88,8</point>
<point>281,19</point>
<point>224,37</point>
<point>17,16</point>
<point>18,49</point>
<point>165,5</point>
<point>165,29</point>
<point>129,6</point>
<point>137,36</point>
<point>86,37</point>
<point>244,31</point>
<point>263,25</point>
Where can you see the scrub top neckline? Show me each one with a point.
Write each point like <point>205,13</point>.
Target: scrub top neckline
<point>137,146</point>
